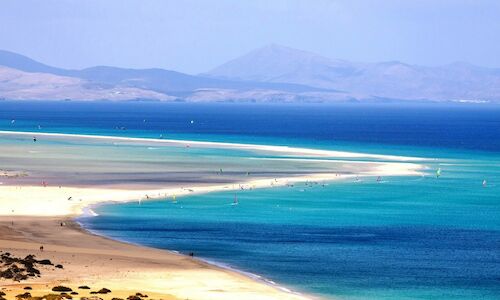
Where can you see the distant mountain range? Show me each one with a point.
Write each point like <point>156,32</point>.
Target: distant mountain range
<point>270,74</point>
<point>458,81</point>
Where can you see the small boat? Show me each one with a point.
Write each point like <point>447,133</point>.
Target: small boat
<point>235,201</point>
<point>484,183</point>
<point>379,179</point>
<point>438,172</point>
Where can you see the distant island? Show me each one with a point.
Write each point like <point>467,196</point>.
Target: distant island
<point>272,74</point>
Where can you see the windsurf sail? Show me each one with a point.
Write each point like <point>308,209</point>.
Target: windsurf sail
<point>235,201</point>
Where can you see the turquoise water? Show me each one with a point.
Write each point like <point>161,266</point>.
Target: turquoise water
<point>401,238</point>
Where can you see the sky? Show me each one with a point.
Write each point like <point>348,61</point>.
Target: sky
<point>194,36</point>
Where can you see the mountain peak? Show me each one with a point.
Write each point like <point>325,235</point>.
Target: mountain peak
<point>277,51</point>
<point>271,62</point>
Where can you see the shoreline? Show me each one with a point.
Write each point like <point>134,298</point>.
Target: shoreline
<point>189,272</point>
<point>214,264</point>
<point>18,204</point>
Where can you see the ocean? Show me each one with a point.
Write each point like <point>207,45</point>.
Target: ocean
<point>401,238</point>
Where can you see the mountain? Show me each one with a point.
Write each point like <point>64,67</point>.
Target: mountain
<point>156,83</point>
<point>20,85</point>
<point>276,63</point>
<point>395,80</point>
<point>177,83</point>
<point>270,74</point>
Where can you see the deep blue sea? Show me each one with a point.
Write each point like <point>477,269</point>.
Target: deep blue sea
<point>403,238</point>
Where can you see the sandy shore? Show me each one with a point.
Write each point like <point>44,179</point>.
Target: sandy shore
<point>71,201</point>
<point>124,269</point>
<point>31,217</point>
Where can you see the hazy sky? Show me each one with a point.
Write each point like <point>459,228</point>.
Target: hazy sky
<point>194,36</point>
